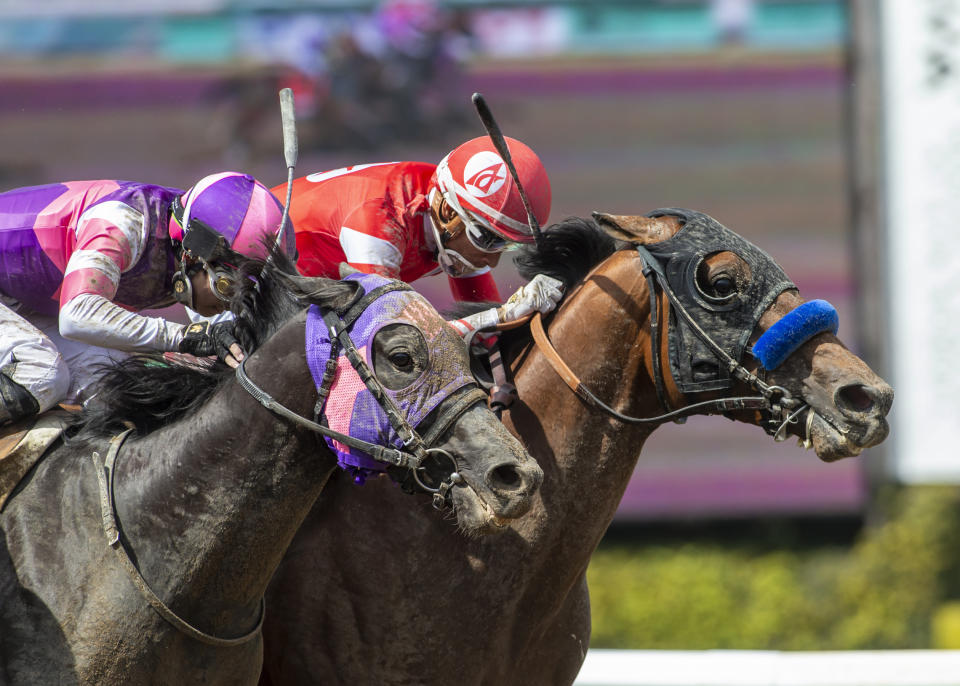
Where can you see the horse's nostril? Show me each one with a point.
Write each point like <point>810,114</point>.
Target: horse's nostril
<point>505,476</point>
<point>857,398</point>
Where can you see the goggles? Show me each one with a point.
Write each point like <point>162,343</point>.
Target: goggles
<point>479,232</point>
<point>480,236</point>
<point>484,239</point>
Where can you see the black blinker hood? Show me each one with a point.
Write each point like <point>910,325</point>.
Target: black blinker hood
<point>728,322</point>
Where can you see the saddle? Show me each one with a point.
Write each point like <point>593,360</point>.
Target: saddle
<point>23,443</point>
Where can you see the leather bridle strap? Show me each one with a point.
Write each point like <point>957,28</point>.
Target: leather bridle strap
<point>584,393</point>
<point>108,512</point>
<point>338,332</point>
<point>462,400</point>
<point>380,453</point>
<point>655,361</point>
<point>736,369</point>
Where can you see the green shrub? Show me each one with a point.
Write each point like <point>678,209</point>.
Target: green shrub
<point>881,592</point>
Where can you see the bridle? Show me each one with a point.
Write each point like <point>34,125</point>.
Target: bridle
<point>782,407</point>
<point>416,450</point>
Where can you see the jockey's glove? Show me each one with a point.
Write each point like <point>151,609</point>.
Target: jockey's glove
<point>205,339</point>
<point>541,294</point>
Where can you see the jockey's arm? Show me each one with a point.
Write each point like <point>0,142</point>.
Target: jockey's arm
<point>93,319</point>
<point>110,241</point>
<point>541,294</point>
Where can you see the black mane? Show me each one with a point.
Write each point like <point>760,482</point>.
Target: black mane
<point>148,391</point>
<point>568,251</point>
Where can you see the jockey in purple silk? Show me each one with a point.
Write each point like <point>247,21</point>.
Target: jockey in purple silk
<point>80,259</point>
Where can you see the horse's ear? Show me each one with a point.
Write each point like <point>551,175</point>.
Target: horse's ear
<point>342,295</point>
<point>346,270</point>
<point>636,228</point>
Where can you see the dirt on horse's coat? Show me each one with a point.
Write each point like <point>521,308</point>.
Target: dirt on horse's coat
<point>205,496</point>
<point>411,603</point>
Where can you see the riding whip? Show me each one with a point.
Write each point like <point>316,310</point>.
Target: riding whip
<point>289,123</point>
<point>493,130</point>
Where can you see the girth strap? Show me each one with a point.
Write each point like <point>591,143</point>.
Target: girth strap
<point>104,474</point>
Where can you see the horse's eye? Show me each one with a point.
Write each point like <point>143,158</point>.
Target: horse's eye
<point>720,277</point>
<point>401,359</point>
<point>723,286</point>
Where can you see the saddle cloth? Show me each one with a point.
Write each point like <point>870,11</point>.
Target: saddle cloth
<point>23,443</point>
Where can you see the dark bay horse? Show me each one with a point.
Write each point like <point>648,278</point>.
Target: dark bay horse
<point>209,490</point>
<point>412,604</point>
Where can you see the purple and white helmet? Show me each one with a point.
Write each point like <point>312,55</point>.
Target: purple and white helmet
<point>239,208</point>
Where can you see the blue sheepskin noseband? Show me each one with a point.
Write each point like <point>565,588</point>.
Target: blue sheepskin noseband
<point>793,330</point>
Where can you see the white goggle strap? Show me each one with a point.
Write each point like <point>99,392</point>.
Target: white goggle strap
<point>472,226</point>
<point>448,258</point>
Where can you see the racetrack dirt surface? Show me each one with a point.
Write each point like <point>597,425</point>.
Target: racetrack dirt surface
<point>754,140</point>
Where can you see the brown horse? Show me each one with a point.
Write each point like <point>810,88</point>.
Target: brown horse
<point>412,604</point>
<point>146,560</point>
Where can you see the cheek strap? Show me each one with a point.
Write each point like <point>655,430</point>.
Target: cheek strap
<point>793,330</point>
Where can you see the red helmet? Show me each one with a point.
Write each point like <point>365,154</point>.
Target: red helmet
<point>475,180</point>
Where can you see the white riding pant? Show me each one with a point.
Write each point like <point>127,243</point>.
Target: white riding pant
<point>34,354</point>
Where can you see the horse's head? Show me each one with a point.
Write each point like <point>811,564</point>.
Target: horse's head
<point>496,477</point>
<point>394,393</point>
<point>715,297</point>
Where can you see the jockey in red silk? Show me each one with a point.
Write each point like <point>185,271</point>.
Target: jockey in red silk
<point>79,259</point>
<point>405,220</point>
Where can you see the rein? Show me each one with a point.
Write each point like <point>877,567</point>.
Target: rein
<point>411,460</point>
<point>416,451</point>
<point>777,400</point>
<point>585,394</point>
<point>417,448</point>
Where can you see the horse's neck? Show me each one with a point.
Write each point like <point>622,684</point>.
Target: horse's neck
<point>601,333</point>
<point>217,497</point>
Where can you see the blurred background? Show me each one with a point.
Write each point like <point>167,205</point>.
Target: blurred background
<point>761,113</point>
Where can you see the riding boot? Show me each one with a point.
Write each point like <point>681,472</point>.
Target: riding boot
<point>16,402</point>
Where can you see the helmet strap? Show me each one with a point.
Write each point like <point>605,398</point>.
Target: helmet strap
<point>452,262</point>
<point>448,229</point>
<point>182,283</point>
